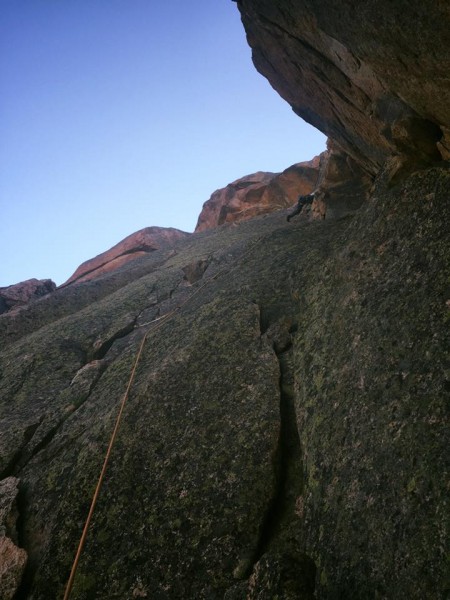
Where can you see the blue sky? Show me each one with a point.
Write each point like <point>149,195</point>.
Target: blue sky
<point>121,114</point>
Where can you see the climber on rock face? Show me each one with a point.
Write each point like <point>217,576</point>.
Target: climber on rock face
<point>302,201</point>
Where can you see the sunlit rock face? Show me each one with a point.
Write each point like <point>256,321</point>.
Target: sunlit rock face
<point>259,194</point>
<point>21,293</point>
<point>373,76</point>
<point>134,246</point>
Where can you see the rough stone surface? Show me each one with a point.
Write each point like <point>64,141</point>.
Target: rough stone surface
<point>343,186</point>
<point>12,558</point>
<point>292,405</point>
<point>12,565</point>
<point>288,415</point>
<point>377,84</point>
<point>258,194</point>
<point>20,294</point>
<point>134,246</point>
<point>371,389</point>
<point>281,575</point>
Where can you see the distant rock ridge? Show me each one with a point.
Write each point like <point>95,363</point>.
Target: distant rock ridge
<point>258,194</point>
<point>250,196</point>
<point>133,246</point>
<point>19,294</point>
<point>247,197</point>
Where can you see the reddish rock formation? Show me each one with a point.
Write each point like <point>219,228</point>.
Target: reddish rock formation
<point>21,293</point>
<point>376,84</point>
<point>12,558</point>
<point>132,247</point>
<point>258,194</point>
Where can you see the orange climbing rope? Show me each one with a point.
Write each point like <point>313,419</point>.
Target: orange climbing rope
<point>159,321</point>
<point>102,474</point>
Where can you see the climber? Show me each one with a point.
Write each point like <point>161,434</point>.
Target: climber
<point>302,201</point>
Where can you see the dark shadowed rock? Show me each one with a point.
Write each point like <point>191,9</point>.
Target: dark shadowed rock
<point>282,575</point>
<point>369,400</point>
<point>343,185</point>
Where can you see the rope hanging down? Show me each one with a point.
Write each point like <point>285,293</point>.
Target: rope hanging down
<point>159,322</point>
<point>102,474</point>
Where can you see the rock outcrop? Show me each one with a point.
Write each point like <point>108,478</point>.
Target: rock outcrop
<point>259,194</point>
<point>12,558</point>
<point>285,434</point>
<point>288,415</point>
<point>372,76</point>
<point>134,246</point>
<point>20,294</point>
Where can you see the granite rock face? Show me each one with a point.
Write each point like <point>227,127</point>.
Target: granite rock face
<point>12,558</point>
<point>259,194</point>
<point>373,76</point>
<point>371,388</point>
<point>20,294</point>
<point>287,417</point>
<point>134,246</point>
<point>286,435</point>
<point>189,519</point>
<point>343,185</point>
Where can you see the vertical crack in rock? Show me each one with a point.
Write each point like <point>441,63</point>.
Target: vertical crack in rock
<point>280,568</point>
<point>23,590</point>
<point>27,436</point>
<point>281,519</point>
